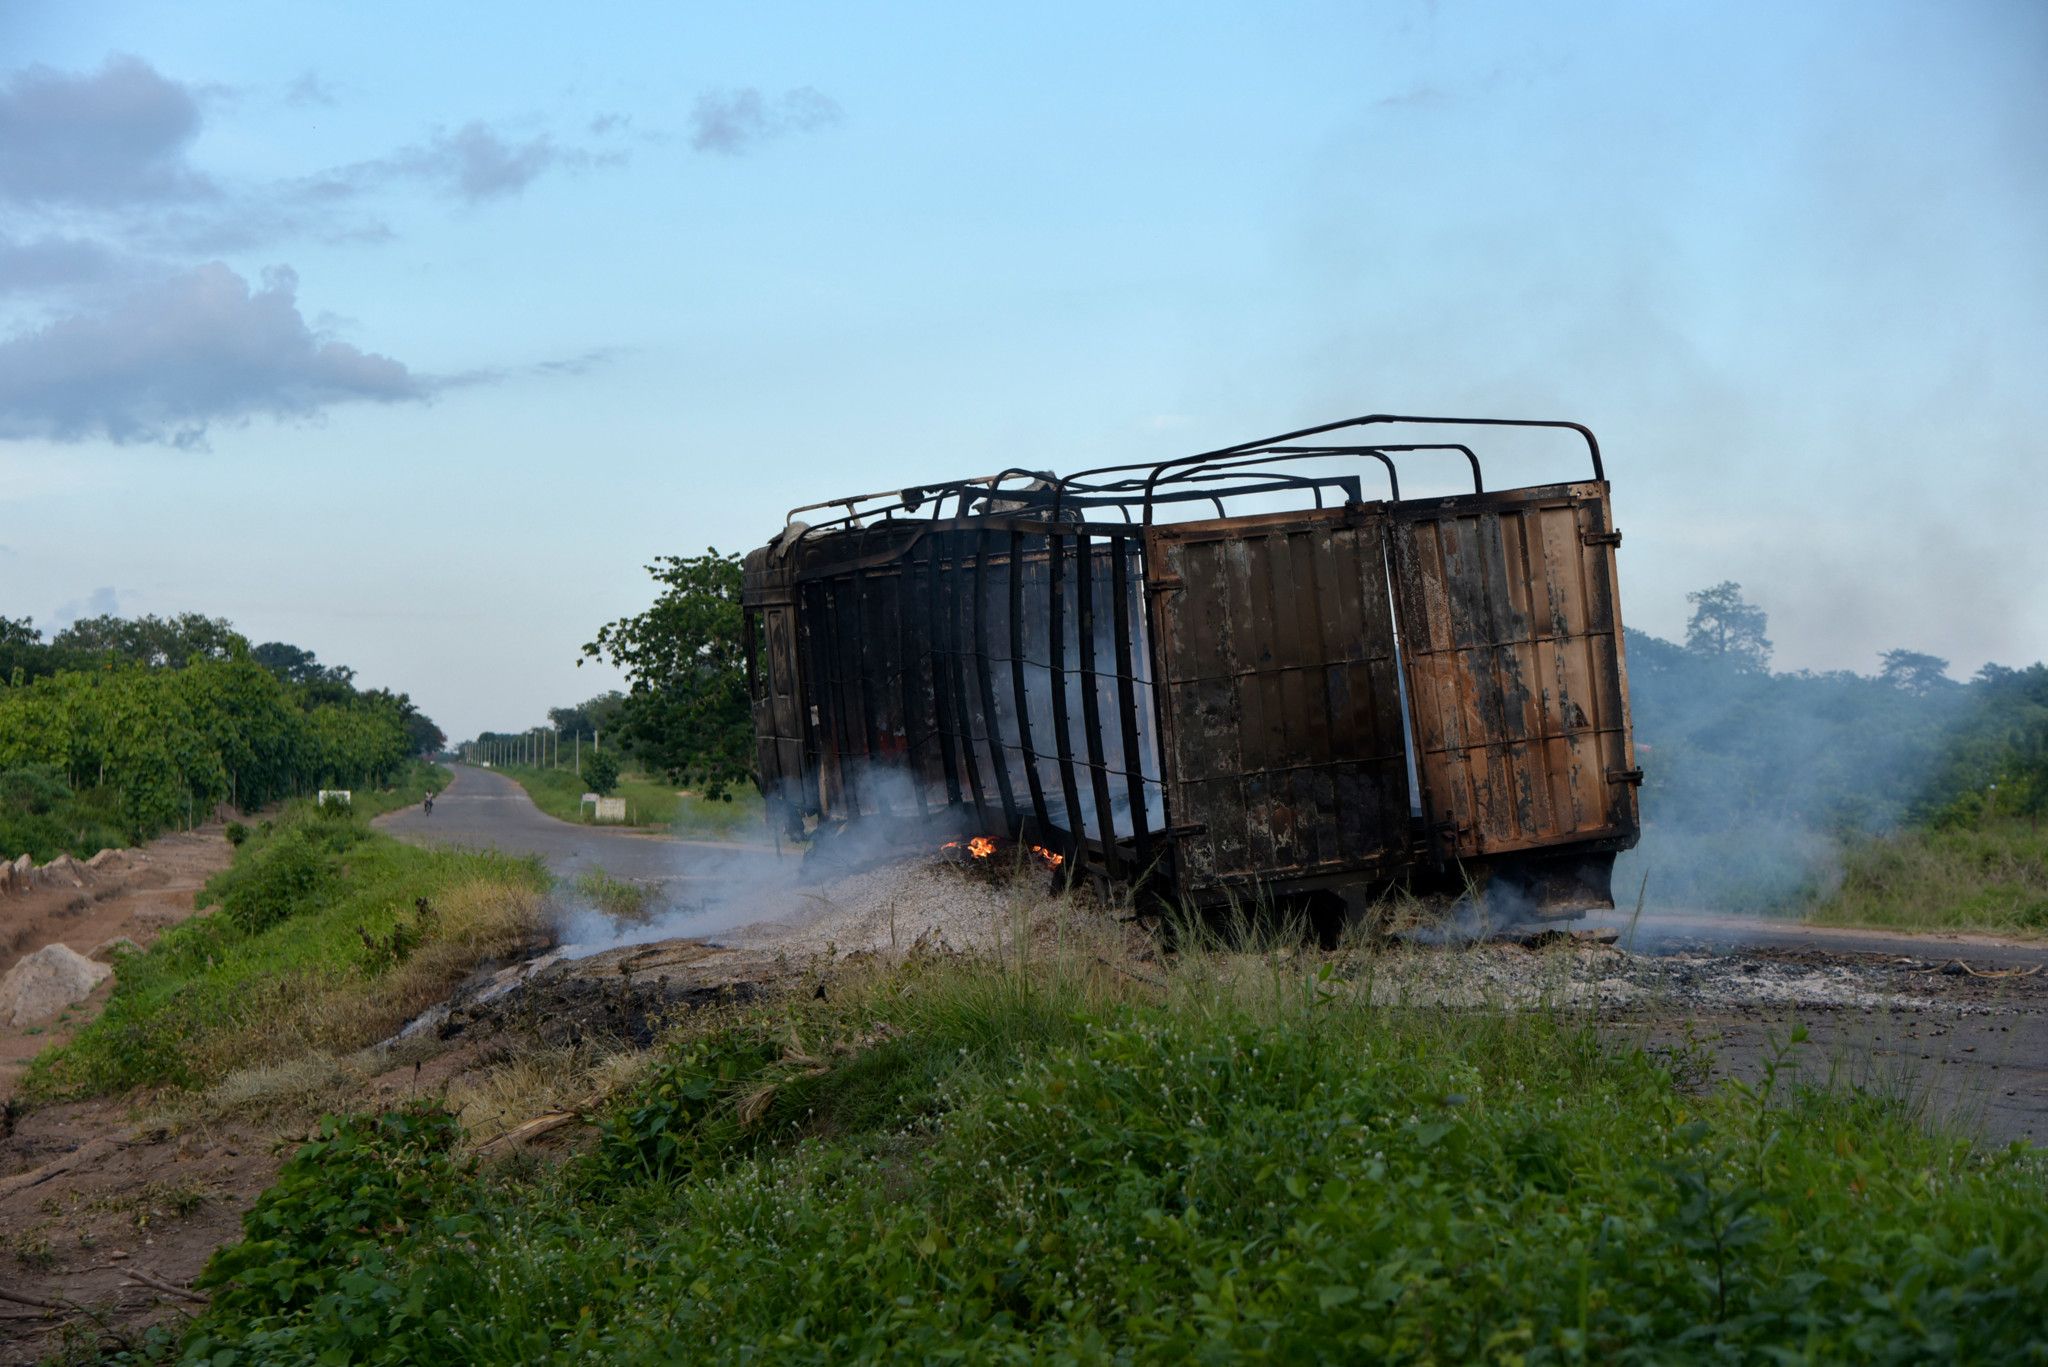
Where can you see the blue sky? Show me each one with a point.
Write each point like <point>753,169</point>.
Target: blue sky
<point>409,333</point>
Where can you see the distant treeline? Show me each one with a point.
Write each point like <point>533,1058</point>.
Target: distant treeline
<point>1752,779</point>
<point>118,729</point>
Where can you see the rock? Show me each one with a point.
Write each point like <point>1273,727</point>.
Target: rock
<point>24,871</point>
<point>106,859</point>
<point>65,867</point>
<point>6,878</point>
<point>106,950</point>
<point>44,983</point>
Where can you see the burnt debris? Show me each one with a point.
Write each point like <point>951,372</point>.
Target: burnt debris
<point>1321,700</point>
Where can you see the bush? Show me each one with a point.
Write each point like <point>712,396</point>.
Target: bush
<point>42,816</point>
<point>601,772</point>
<point>323,1227</point>
<point>33,789</point>
<point>287,870</point>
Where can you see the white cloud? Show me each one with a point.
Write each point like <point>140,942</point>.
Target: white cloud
<point>170,360</point>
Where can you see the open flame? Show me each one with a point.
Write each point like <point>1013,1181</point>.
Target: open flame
<point>982,847</point>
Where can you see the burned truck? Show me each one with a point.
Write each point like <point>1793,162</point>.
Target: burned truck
<point>1311,694</point>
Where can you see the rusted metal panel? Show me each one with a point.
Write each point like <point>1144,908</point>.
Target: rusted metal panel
<point>1274,648</point>
<point>1511,635</point>
<point>774,682</point>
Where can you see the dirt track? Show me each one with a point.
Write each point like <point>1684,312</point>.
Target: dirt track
<point>137,900</point>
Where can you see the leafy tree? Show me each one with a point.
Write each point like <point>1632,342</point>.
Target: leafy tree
<point>2001,738</point>
<point>1728,627</point>
<point>422,737</point>
<point>602,714</point>
<point>1915,673</point>
<point>168,744</point>
<point>154,642</point>
<point>601,772</point>
<point>686,709</point>
<point>296,665</point>
<point>23,655</point>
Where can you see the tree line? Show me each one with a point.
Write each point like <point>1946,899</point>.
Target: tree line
<point>117,729</point>
<point>1729,742</point>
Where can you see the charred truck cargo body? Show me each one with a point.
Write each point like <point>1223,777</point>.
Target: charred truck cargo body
<point>1324,700</point>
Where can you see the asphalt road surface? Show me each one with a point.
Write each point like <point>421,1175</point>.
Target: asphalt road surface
<point>1679,932</point>
<point>486,810</point>
<point>1952,1023</point>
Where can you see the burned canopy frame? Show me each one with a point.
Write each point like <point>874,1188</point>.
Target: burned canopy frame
<point>1339,691</point>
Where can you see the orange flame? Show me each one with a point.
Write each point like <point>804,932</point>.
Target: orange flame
<point>981,847</point>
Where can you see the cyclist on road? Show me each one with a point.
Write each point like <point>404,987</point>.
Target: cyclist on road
<point>429,803</point>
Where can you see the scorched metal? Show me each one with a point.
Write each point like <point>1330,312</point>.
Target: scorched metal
<point>1317,699</point>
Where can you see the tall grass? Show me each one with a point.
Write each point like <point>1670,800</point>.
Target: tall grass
<point>329,937</point>
<point>1234,1157</point>
<point>1985,877</point>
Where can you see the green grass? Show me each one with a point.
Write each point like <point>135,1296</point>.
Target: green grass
<point>321,944</point>
<point>969,1162</point>
<point>1989,877</point>
<point>651,801</point>
<point>622,899</point>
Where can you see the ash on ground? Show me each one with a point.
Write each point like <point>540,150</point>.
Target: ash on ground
<point>938,903</point>
<point>1612,979</point>
<point>1917,1024</point>
<point>893,909</point>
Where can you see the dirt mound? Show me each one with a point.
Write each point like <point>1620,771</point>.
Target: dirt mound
<point>40,987</point>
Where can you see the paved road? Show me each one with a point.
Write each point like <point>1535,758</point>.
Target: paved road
<point>1681,932</point>
<point>485,810</point>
